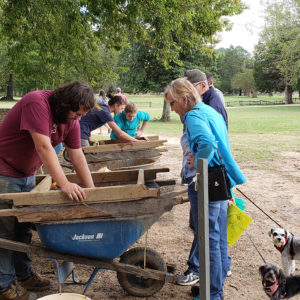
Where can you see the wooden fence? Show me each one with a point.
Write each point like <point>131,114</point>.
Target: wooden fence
<point>229,103</point>
<point>258,102</point>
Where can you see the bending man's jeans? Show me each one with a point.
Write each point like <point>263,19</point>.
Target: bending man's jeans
<point>14,264</point>
<point>218,249</point>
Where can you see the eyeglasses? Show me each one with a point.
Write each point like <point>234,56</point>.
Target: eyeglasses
<point>172,102</point>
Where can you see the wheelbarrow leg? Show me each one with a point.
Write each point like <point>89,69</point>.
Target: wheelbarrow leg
<point>92,277</point>
<point>64,271</point>
<point>66,268</point>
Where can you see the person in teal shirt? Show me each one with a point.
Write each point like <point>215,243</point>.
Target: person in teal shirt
<point>129,119</point>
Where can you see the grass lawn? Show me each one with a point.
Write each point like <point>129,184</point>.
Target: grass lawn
<point>257,134</point>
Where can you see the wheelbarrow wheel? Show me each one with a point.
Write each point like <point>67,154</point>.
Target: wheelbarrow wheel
<point>139,286</point>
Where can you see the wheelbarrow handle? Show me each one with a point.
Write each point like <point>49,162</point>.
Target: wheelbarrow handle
<point>15,246</point>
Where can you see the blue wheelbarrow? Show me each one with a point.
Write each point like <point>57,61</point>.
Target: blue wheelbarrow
<point>100,241</point>
<point>107,240</point>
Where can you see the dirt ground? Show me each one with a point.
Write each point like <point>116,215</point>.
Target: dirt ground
<point>277,193</point>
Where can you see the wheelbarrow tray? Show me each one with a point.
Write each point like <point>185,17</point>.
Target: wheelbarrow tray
<point>107,237</point>
<point>101,238</point>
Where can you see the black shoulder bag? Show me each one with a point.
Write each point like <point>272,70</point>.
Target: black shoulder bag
<point>218,182</point>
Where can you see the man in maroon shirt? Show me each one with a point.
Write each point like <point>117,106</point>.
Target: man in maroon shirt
<point>38,122</point>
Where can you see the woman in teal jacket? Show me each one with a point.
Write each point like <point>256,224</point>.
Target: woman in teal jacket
<point>129,119</point>
<point>206,133</point>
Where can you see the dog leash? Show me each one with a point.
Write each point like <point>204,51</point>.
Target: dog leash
<point>262,212</point>
<point>255,247</point>
<point>258,207</point>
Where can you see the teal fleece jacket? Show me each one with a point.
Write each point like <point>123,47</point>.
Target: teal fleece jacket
<point>206,132</point>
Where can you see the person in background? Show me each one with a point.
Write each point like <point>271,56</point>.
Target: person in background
<point>102,98</point>
<point>119,93</point>
<point>129,119</point>
<point>209,96</point>
<point>100,115</point>
<point>32,128</point>
<point>206,134</point>
<point>210,81</point>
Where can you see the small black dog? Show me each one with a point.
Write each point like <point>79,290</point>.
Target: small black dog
<point>276,285</point>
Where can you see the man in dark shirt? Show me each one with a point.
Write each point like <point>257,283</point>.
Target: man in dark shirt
<point>209,95</point>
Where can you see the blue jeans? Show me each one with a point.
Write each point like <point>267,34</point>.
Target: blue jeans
<point>218,249</point>
<point>14,264</point>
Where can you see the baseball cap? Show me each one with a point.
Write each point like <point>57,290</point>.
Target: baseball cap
<point>118,89</point>
<point>195,75</point>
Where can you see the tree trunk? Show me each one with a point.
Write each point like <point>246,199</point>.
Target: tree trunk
<point>288,94</point>
<point>166,113</point>
<point>10,88</point>
<point>254,94</point>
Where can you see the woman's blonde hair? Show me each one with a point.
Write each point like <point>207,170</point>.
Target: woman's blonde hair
<point>182,87</point>
<point>130,108</point>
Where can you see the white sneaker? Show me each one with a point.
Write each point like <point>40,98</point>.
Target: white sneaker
<point>187,278</point>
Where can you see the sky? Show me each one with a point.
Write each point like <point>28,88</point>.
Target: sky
<point>246,27</point>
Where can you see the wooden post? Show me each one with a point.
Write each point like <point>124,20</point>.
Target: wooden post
<point>203,230</point>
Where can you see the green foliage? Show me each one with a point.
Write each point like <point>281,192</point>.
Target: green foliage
<point>3,66</point>
<point>266,75</point>
<point>231,61</point>
<point>244,81</point>
<point>49,42</point>
<point>168,27</point>
<point>277,54</point>
<point>144,72</point>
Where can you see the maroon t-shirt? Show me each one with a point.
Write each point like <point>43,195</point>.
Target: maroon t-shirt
<point>18,157</point>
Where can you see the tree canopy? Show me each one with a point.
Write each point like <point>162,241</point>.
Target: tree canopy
<point>231,61</point>
<point>144,72</point>
<point>50,42</point>
<point>244,81</point>
<point>167,26</point>
<point>277,53</point>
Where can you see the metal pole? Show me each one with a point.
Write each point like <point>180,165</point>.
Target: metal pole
<point>203,230</point>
